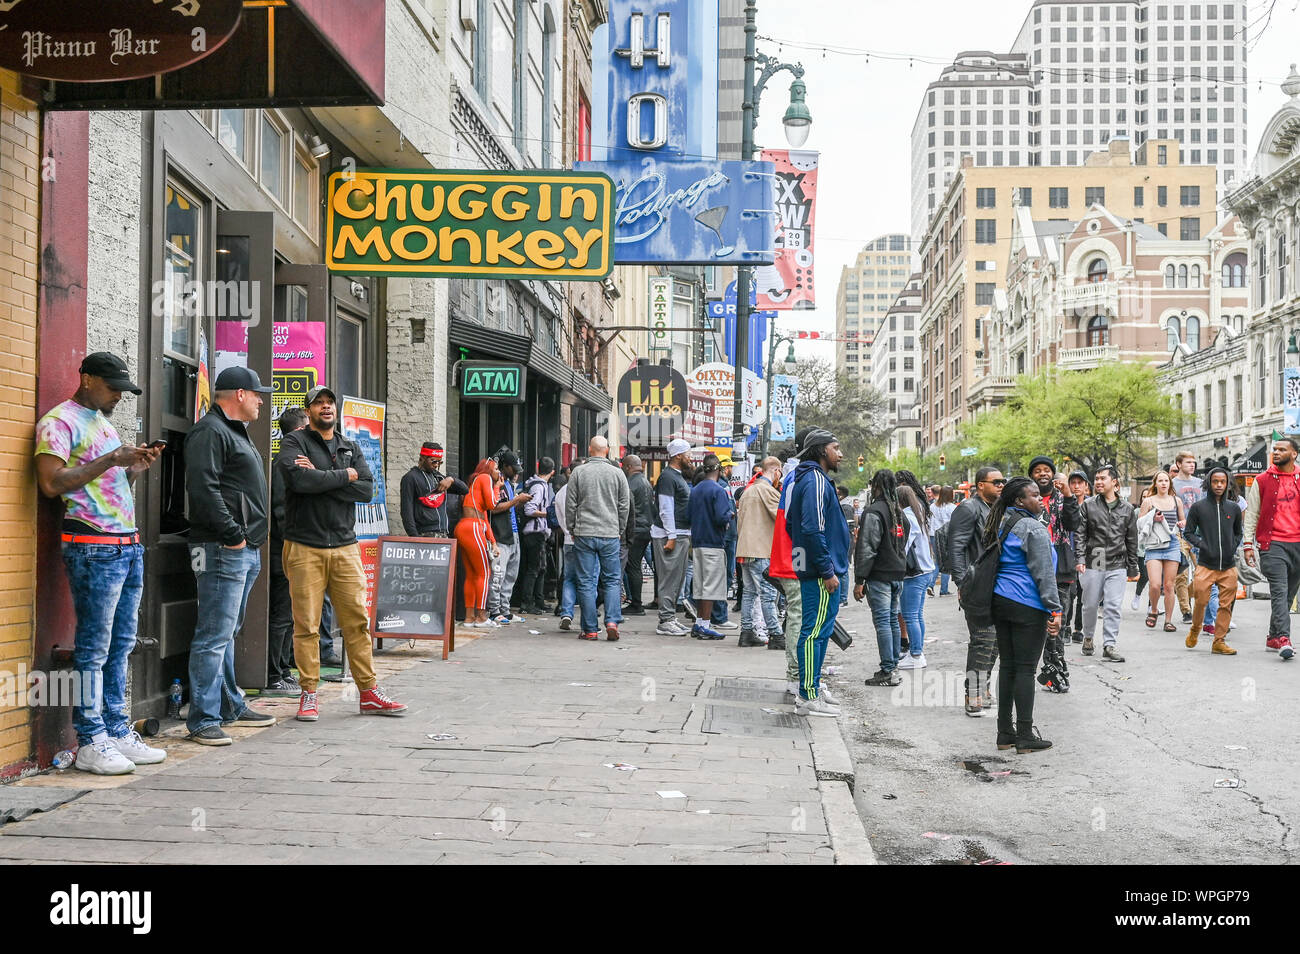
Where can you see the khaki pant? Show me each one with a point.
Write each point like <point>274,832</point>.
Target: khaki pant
<point>1183,584</point>
<point>1226,581</point>
<point>312,573</point>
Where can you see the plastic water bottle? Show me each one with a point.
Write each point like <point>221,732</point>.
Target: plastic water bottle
<point>64,759</point>
<point>174,700</point>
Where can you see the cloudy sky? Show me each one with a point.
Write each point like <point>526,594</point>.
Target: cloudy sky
<point>863,108</point>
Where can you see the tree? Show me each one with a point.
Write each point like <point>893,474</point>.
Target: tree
<point>854,413</point>
<point>1110,415</point>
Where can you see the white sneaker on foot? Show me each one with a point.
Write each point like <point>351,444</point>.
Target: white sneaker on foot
<point>792,688</point>
<point>1136,604</point>
<point>912,662</point>
<point>101,757</point>
<point>136,750</point>
<point>728,626</point>
<point>671,628</point>
<point>824,693</point>
<point>816,707</point>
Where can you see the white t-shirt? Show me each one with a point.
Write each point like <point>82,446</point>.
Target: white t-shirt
<point>918,541</point>
<point>940,514</point>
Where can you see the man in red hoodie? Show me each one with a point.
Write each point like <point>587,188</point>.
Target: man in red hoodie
<point>781,569</point>
<point>1273,523</point>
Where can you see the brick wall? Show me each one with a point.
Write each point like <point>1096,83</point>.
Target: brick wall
<point>19,195</point>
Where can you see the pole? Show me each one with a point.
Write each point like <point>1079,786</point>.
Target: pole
<point>771,363</point>
<point>739,431</point>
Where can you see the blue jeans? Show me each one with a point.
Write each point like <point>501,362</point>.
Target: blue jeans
<point>884,597</point>
<point>106,582</point>
<point>756,589</point>
<point>569,586</point>
<point>599,567</point>
<point>720,610</point>
<point>327,627</point>
<point>225,577</point>
<point>1212,610</point>
<point>912,603</point>
<point>819,611</point>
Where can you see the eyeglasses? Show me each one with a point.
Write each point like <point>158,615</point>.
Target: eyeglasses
<point>995,483</point>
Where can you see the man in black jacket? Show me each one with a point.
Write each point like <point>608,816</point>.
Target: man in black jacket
<point>226,485</point>
<point>643,518</point>
<point>1061,515</point>
<point>965,534</point>
<point>325,477</point>
<point>425,492</point>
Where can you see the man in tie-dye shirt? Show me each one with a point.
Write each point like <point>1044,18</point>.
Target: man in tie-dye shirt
<point>80,458</point>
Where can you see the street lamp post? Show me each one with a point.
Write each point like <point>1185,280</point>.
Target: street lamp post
<point>790,363</point>
<point>796,121</point>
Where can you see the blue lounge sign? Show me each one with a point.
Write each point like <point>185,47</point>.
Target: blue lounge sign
<point>670,205</point>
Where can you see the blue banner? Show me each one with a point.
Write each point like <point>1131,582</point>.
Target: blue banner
<point>725,310</point>
<point>785,401</point>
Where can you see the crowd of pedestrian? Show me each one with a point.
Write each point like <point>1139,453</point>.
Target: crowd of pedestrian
<point>1037,560</point>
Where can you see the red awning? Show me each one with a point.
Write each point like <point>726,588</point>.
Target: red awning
<point>286,53</point>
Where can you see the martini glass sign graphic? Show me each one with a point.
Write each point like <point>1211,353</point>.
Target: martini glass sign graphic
<point>648,199</point>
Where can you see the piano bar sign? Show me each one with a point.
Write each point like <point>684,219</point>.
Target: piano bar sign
<point>471,224</point>
<point>106,42</point>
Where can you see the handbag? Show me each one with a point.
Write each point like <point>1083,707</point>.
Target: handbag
<point>1248,575</point>
<point>842,637</point>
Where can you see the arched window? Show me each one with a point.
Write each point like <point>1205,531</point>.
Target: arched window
<point>1261,378</point>
<point>1182,276</point>
<point>1193,332</point>
<point>1097,270</point>
<point>1280,369</point>
<point>1169,276</point>
<point>1196,276</point>
<point>1234,270</point>
<point>1174,331</point>
<point>1098,331</point>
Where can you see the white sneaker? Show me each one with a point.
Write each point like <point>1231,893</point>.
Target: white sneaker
<point>912,662</point>
<point>792,688</point>
<point>135,749</point>
<point>671,628</point>
<point>102,758</point>
<point>816,707</point>
<point>1136,604</point>
<point>728,626</point>
<point>824,693</point>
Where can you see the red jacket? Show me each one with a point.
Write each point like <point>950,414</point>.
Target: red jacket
<point>1267,483</point>
<point>781,566</point>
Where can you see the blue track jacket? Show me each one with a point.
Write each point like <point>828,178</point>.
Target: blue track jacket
<point>818,531</point>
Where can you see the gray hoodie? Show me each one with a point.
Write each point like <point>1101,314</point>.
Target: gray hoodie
<point>598,500</point>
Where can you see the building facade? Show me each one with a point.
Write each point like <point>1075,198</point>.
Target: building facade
<point>867,290</point>
<point>896,366</point>
<point>966,249</point>
<point>1137,69</point>
<point>1105,290</point>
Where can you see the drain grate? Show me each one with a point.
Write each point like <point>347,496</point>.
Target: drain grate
<point>766,697</point>
<point>752,722</point>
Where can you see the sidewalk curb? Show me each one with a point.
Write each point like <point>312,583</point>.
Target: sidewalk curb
<point>835,777</point>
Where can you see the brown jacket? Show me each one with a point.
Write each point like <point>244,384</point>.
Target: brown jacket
<point>757,520</point>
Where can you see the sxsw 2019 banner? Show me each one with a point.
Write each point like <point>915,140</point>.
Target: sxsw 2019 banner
<point>787,284</point>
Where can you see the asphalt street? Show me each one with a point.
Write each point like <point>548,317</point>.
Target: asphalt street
<point>1138,748</point>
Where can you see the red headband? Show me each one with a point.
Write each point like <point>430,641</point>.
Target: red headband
<point>430,452</point>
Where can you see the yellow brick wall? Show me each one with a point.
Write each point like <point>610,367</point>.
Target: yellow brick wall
<point>19,196</point>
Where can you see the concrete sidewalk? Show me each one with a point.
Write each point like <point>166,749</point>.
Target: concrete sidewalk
<point>538,720</point>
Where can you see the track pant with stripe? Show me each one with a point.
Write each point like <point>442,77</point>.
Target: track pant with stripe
<point>819,611</point>
<point>476,555</point>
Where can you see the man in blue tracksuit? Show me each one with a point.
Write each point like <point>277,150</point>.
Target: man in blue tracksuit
<point>820,548</point>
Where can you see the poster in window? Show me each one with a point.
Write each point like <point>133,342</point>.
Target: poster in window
<point>297,364</point>
<point>363,422</point>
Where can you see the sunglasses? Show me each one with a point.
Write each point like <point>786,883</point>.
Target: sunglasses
<point>995,483</point>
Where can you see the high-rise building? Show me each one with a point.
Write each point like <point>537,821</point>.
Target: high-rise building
<point>866,291</point>
<point>896,366</point>
<point>1094,71</point>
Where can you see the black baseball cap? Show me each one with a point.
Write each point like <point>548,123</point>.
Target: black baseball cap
<point>104,364</point>
<point>316,392</point>
<point>239,378</point>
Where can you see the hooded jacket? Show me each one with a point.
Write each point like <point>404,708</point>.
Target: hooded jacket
<point>424,506</point>
<point>1214,527</point>
<point>1263,499</point>
<point>1027,569</point>
<point>879,553</point>
<point>818,534</point>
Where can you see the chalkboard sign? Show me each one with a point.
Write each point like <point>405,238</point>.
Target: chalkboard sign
<point>413,592</point>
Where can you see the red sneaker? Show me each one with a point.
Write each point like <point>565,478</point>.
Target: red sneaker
<point>1273,644</point>
<point>591,636</point>
<point>1208,629</point>
<point>611,632</point>
<point>376,702</point>
<point>307,711</point>
<point>1284,647</point>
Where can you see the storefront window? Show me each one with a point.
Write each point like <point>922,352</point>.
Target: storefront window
<point>273,153</point>
<point>232,132</point>
<point>304,195</point>
<point>181,303</point>
<point>348,352</point>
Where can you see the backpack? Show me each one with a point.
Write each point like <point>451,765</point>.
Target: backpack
<point>941,545</point>
<point>977,592</point>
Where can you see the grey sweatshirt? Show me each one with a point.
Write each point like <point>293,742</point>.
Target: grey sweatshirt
<point>598,500</point>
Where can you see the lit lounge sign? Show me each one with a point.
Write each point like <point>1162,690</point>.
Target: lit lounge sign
<point>471,223</point>
<point>105,42</point>
<point>484,381</point>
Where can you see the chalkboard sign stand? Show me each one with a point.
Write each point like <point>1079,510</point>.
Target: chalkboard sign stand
<point>414,593</point>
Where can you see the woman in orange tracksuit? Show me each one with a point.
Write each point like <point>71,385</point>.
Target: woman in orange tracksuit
<point>478,546</point>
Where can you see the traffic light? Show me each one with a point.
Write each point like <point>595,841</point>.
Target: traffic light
<point>943,462</point>
<point>862,463</point>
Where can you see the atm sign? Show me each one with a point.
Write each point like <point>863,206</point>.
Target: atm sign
<point>492,382</point>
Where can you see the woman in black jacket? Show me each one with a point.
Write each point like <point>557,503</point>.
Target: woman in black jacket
<point>1214,527</point>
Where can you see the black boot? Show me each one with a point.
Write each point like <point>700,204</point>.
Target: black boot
<point>776,642</point>
<point>1006,740</point>
<point>1028,740</point>
<point>747,638</point>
